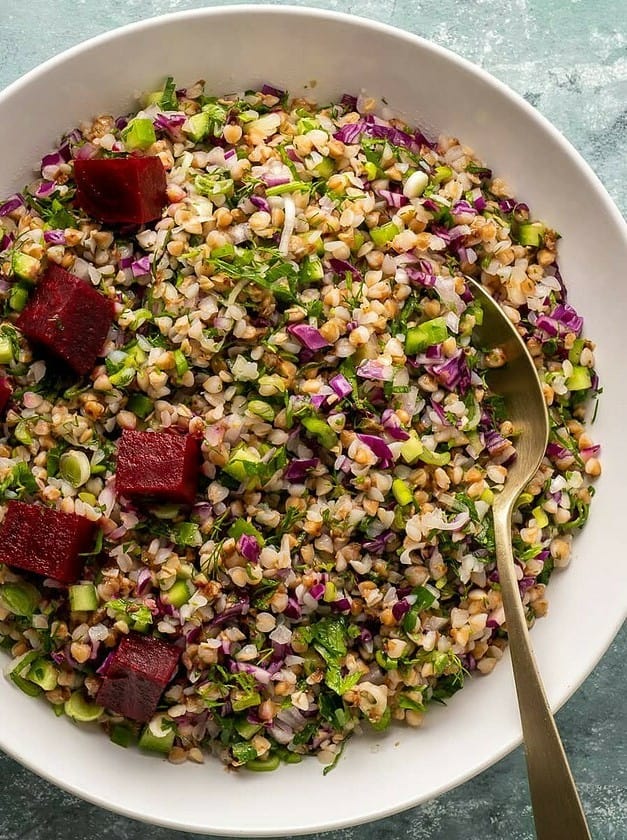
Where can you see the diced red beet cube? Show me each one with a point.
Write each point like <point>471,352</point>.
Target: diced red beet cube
<point>5,393</point>
<point>121,190</point>
<point>136,675</point>
<point>159,466</point>
<point>68,317</point>
<point>45,541</point>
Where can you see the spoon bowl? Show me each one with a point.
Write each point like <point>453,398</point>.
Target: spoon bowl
<point>557,809</point>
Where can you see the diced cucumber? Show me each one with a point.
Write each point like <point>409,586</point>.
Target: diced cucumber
<point>197,126</point>
<point>312,268</point>
<point>153,743</point>
<point>325,168</point>
<point>243,463</point>
<point>531,233</point>
<point>18,297</point>
<point>25,266</point>
<point>139,134</point>
<point>121,735</point>
<point>384,234</point>
<point>402,492</point>
<point>425,335</point>
<point>580,379</point>
<point>411,450</point>
<point>80,709</point>
<point>436,459</point>
<point>263,765</point>
<point>246,729</point>
<point>141,405</point>
<point>83,597</point>
<point>574,354</point>
<point>178,594</point>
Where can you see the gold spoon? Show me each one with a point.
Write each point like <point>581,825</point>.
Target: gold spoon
<point>557,809</point>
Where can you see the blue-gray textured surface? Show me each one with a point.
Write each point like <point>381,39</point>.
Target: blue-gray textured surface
<point>569,59</point>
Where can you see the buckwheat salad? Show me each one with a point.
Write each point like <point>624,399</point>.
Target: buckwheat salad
<point>265,454</point>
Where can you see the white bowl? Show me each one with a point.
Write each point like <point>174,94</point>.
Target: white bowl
<point>325,54</point>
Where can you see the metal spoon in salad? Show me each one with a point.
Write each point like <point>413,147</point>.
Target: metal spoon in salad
<point>557,809</point>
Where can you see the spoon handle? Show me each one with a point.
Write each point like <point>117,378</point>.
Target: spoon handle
<point>557,809</point>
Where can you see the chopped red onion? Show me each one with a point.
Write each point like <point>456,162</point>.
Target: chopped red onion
<point>260,203</point>
<point>11,204</point>
<point>371,369</point>
<point>308,336</point>
<point>248,547</point>
<point>341,385</point>
<point>269,90</point>
<point>45,189</point>
<point>393,199</point>
<point>380,449</point>
<point>54,237</point>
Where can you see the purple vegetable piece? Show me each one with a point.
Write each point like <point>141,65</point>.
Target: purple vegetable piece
<point>308,336</point>
<point>380,449</point>
<point>248,547</point>
<point>136,675</point>
<point>45,541</point>
<point>297,470</point>
<point>341,385</point>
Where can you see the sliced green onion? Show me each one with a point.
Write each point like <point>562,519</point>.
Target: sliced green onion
<point>22,433</point>
<point>139,134</point>
<point>6,350</point>
<point>437,459</point>
<point>442,173</point>
<point>321,430</point>
<point>539,514</point>
<point>19,598</point>
<point>402,492</point>
<point>312,268</point>
<point>241,526</point>
<point>211,186</point>
<point>180,363</point>
<point>197,126</point>
<point>83,597</point>
<point>74,467</point>
<point>384,234</point>
<point>80,709</point>
<point>43,673</point>
<point>123,377</point>
<point>261,409</point>
<point>292,186</point>
<point>243,463</point>
<point>425,335</point>
<point>246,701</point>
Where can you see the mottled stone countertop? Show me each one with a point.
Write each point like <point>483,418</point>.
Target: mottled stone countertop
<point>569,59</point>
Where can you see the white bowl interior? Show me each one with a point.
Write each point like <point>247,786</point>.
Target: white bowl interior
<point>324,55</point>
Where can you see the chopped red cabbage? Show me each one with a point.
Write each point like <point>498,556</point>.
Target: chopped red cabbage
<point>11,204</point>
<point>248,547</point>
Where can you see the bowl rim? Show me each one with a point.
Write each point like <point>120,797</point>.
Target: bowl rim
<point>565,147</point>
